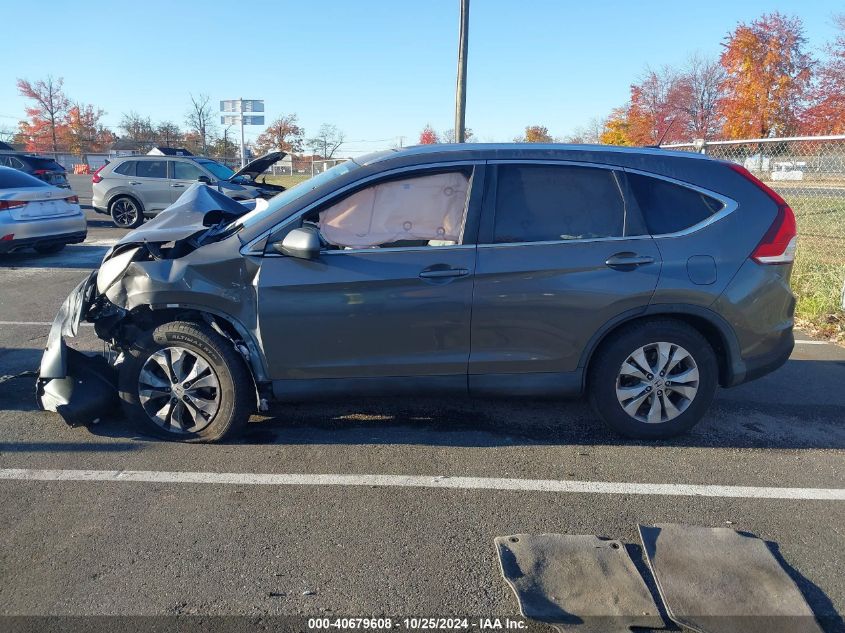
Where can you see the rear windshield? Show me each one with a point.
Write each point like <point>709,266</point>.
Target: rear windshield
<point>14,179</point>
<point>45,163</point>
<point>668,207</point>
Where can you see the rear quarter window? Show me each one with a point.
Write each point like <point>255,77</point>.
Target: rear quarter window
<point>126,169</point>
<point>668,207</point>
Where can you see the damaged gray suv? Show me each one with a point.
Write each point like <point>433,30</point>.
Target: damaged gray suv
<point>641,277</point>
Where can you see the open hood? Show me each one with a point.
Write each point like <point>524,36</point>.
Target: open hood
<point>252,169</point>
<point>198,208</point>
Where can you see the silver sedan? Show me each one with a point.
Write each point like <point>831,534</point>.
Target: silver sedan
<point>36,215</point>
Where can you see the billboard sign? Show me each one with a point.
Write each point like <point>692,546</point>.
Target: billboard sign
<point>242,105</point>
<point>235,119</point>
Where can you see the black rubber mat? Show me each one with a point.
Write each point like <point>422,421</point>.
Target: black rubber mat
<point>716,580</point>
<point>576,582</point>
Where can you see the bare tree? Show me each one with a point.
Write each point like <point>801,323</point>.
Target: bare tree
<point>702,79</point>
<point>136,127</point>
<point>168,133</point>
<point>327,141</point>
<point>7,134</point>
<point>449,136</point>
<point>589,133</point>
<point>200,119</point>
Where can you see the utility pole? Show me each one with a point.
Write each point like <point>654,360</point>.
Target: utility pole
<point>461,90</point>
<point>243,147</point>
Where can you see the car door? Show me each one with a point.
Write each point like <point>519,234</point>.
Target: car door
<point>560,255</point>
<point>391,294</point>
<point>151,184</point>
<point>183,174</point>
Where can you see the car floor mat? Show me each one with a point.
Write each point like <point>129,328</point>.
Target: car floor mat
<point>718,580</point>
<point>576,582</point>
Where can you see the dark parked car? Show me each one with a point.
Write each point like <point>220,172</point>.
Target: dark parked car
<point>43,168</point>
<point>641,277</point>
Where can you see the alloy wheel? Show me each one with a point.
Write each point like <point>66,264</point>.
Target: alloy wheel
<point>179,390</point>
<point>657,382</point>
<point>125,212</point>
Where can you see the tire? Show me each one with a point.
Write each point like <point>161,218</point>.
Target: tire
<point>49,249</point>
<point>126,212</point>
<point>616,383</point>
<point>158,371</point>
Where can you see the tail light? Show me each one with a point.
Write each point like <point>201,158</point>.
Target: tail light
<point>7,238</point>
<point>72,199</point>
<point>11,204</point>
<point>96,177</point>
<point>41,172</point>
<point>779,242</point>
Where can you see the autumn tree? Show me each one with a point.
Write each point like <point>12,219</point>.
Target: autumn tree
<point>327,140</point>
<point>82,130</point>
<point>200,119</point>
<point>826,114</point>
<point>767,78</point>
<point>283,134</point>
<point>616,128</point>
<point>655,113</point>
<point>46,115</point>
<point>535,134</point>
<point>428,136</point>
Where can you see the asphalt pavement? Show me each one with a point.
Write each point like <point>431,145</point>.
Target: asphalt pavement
<point>399,500</point>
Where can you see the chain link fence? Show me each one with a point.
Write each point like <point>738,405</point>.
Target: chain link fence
<point>809,172</point>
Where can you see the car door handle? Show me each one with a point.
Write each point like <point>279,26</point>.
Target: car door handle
<point>440,273</point>
<point>134,182</point>
<point>178,186</point>
<point>628,261</point>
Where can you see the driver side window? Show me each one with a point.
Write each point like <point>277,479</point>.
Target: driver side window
<point>419,210</point>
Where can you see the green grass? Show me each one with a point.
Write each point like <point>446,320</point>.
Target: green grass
<point>287,181</point>
<point>819,270</point>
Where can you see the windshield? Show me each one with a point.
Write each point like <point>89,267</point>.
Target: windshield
<point>220,171</point>
<point>294,193</point>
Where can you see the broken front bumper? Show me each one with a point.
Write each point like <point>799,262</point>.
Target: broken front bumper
<point>79,387</point>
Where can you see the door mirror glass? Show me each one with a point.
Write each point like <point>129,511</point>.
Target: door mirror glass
<point>303,243</point>
<point>204,179</point>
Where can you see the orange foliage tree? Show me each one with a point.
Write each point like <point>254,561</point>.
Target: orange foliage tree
<point>283,134</point>
<point>428,136</point>
<point>768,75</point>
<point>535,134</point>
<point>46,116</point>
<point>826,114</point>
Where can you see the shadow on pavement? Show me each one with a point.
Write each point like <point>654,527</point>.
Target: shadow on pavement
<point>769,413</point>
<point>73,256</point>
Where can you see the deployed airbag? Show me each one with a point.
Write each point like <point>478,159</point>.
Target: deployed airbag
<point>576,582</point>
<point>419,208</point>
<point>716,580</point>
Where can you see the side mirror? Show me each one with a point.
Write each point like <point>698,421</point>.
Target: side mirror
<point>204,179</point>
<point>303,243</point>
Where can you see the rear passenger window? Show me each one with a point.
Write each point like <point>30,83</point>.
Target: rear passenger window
<point>151,169</point>
<point>668,207</point>
<point>126,169</point>
<point>537,203</point>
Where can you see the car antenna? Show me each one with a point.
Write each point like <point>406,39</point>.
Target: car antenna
<point>665,132</point>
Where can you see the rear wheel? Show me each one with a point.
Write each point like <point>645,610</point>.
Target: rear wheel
<point>49,249</point>
<point>185,382</point>
<point>654,379</point>
<point>126,212</point>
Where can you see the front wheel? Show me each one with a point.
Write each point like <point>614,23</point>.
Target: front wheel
<point>653,380</point>
<point>183,381</point>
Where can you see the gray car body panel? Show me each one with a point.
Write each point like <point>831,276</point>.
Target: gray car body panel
<point>524,319</point>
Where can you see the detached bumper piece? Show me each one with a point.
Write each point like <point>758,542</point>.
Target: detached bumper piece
<point>86,394</point>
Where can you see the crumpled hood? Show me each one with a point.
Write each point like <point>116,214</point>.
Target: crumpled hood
<point>185,217</point>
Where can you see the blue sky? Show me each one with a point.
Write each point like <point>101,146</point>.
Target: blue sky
<point>379,69</point>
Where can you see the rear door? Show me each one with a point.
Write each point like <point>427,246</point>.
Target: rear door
<point>151,184</point>
<point>560,255</point>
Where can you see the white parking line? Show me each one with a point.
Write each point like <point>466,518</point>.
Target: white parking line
<point>811,342</point>
<point>417,481</point>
